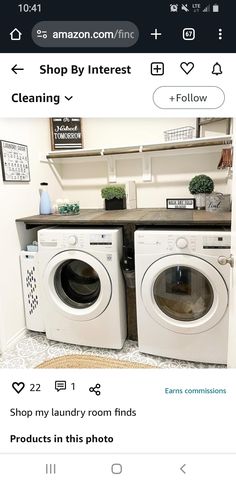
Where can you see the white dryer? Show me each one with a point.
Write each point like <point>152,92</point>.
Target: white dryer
<point>182,285</point>
<point>82,287</point>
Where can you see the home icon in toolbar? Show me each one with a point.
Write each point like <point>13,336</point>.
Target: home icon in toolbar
<point>15,34</point>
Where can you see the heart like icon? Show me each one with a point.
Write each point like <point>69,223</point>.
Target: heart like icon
<point>18,386</point>
<point>187,67</point>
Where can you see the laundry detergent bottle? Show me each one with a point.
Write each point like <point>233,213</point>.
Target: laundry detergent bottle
<point>45,206</point>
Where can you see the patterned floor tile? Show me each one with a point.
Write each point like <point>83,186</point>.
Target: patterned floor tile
<point>34,348</point>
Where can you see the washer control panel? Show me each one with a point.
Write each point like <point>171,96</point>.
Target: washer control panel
<point>100,239</point>
<point>78,241</point>
<point>181,243</point>
<point>72,241</point>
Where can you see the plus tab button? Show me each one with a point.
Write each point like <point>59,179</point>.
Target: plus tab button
<point>156,34</point>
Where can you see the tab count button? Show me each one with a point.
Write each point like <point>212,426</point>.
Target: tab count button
<point>188,97</point>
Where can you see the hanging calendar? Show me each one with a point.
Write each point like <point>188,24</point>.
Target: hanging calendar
<point>15,162</point>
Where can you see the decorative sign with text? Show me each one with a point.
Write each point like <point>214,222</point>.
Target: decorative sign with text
<point>14,161</point>
<point>66,133</point>
<point>180,203</point>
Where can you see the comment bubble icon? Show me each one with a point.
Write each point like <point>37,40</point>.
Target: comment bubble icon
<point>60,385</point>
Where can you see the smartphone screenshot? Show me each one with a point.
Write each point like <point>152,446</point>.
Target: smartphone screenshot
<point>118,243</point>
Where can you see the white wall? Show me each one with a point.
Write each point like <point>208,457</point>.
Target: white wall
<point>19,200</point>
<point>114,132</point>
<point>171,174</point>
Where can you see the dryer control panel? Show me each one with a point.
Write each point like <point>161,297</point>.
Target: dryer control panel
<point>181,241</point>
<point>216,242</point>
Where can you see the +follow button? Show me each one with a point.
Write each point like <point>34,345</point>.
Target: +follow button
<point>188,97</point>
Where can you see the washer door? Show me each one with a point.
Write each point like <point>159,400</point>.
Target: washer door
<point>184,294</point>
<point>78,285</point>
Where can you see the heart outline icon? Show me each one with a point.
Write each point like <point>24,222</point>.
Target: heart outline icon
<point>18,386</point>
<point>187,67</point>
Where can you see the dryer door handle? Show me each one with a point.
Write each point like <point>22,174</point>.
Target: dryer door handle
<point>223,260</point>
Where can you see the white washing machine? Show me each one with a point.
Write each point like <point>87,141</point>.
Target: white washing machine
<point>82,287</point>
<point>182,286</point>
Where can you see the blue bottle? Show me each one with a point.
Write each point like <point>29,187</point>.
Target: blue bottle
<point>45,206</point>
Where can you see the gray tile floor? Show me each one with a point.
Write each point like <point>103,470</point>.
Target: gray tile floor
<point>34,348</point>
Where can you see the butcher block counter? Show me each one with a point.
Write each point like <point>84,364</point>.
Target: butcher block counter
<point>136,217</point>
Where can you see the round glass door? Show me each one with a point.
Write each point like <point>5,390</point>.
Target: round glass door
<point>183,293</point>
<point>77,283</point>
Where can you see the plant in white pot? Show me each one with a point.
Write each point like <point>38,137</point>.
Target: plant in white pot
<point>200,185</point>
<point>115,197</point>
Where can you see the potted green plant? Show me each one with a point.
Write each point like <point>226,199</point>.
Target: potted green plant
<point>115,197</point>
<point>200,185</point>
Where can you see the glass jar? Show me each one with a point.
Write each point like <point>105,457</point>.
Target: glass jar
<point>68,208</point>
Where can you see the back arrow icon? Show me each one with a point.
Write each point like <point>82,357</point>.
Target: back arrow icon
<point>15,69</point>
<point>182,468</point>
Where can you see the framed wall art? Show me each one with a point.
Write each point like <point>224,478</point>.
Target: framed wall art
<point>66,133</point>
<point>14,161</point>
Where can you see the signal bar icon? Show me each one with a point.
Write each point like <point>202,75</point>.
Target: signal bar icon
<point>207,9</point>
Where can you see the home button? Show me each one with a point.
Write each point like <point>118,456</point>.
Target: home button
<point>116,468</point>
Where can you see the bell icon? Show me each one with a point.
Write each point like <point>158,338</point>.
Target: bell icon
<point>217,69</point>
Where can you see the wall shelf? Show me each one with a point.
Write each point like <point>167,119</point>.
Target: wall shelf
<point>144,153</point>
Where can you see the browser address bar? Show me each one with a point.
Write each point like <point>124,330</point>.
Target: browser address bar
<point>85,34</point>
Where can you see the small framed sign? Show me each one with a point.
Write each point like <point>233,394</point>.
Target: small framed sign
<point>180,203</point>
<point>14,161</point>
<point>66,133</point>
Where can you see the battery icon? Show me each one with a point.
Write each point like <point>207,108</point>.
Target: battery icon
<point>215,8</point>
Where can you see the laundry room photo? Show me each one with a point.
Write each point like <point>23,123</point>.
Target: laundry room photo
<point>117,243</point>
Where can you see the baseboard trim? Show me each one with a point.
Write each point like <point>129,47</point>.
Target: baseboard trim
<point>13,340</point>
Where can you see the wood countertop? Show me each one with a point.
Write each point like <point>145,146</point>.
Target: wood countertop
<point>140,217</point>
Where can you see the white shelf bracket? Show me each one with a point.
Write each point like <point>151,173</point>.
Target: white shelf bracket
<point>111,169</point>
<point>55,171</point>
<point>147,168</point>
